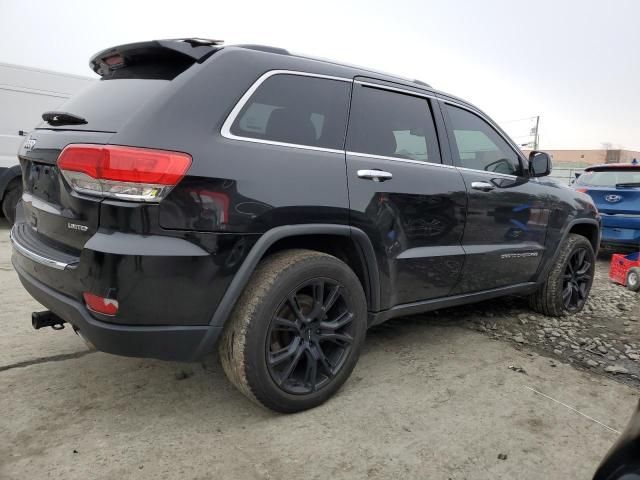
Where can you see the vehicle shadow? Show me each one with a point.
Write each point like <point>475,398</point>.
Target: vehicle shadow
<point>144,390</point>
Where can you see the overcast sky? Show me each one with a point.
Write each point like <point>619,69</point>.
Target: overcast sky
<point>576,63</point>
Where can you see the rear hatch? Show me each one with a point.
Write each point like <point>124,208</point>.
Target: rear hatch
<point>132,76</point>
<point>615,191</point>
<point>58,216</point>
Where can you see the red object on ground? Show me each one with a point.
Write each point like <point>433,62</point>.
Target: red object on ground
<point>620,265</point>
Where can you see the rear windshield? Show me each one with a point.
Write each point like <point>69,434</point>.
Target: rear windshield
<point>108,104</point>
<point>610,177</point>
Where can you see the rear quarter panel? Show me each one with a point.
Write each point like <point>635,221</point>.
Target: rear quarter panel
<point>234,185</point>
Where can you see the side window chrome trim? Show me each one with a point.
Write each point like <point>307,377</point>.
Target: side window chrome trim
<point>428,164</point>
<point>395,159</point>
<point>281,144</point>
<point>509,142</point>
<point>225,131</point>
<point>486,172</point>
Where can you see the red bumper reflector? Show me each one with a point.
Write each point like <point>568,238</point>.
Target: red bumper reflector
<point>105,306</point>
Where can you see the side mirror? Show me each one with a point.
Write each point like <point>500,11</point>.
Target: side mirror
<point>539,164</point>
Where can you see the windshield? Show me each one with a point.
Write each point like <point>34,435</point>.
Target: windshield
<point>610,177</point>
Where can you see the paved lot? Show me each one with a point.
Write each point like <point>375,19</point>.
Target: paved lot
<point>430,398</point>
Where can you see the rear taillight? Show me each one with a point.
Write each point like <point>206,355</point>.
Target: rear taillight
<point>581,190</point>
<point>126,173</point>
<point>105,306</point>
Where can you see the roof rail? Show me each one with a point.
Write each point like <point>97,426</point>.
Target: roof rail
<point>420,82</point>
<point>264,48</point>
<point>196,42</point>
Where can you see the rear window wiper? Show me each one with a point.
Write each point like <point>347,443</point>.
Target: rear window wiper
<point>632,184</point>
<point>62,118</point>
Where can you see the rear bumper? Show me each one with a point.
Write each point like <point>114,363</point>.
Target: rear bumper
<point>621,230</point>
<point>166,342</point>
<point>168,288</point>
<point>620,236</point>
<point>176,279</point>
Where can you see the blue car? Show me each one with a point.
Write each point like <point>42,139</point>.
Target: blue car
<point>615,189</point>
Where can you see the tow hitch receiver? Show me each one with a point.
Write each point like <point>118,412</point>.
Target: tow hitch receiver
<point>46,319</point>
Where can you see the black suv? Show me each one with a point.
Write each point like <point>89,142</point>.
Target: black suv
<point>274,206</point>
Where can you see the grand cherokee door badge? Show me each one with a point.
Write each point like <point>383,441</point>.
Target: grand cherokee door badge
<point>519,255</point>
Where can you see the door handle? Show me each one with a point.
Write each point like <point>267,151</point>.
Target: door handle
<point>482,186</point>
<point>375,175</point>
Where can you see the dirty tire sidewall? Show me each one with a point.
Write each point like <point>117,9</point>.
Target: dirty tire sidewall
<point>633,279</point>
<point>242,347</point>
<point>11,198</point>
<point>548,298</point>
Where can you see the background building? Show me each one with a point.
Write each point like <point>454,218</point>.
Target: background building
<point>567,164</point>
<point>584,158</point>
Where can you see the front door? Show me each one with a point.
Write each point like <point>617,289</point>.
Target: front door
<point>410,205</point>
<point>508,212</point>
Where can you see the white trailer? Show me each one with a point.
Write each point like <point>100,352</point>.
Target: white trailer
<point>25,93</point>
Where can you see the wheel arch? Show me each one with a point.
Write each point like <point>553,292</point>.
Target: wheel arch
<point>341,241</point>
<point>344,247</point>
<point>589,230</point>
<point>586,227</point>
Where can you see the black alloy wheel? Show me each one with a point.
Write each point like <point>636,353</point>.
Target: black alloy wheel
<point>296,332</point>
<point>12,195</point>
<point>310,336</point>
<point>577,279</point>
<point>568,283</point>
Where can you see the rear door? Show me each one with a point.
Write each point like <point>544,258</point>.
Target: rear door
<point>508,212</point>
<point>409,203</point>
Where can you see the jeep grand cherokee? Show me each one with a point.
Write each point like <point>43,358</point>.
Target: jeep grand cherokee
<point>272,207</point>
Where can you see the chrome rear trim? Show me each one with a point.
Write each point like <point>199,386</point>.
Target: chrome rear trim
<point>49,262</point>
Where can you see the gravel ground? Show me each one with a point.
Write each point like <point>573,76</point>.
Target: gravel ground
<point>431,397</point>
<point>604,337</point>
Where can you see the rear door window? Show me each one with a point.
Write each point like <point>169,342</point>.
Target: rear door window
<point>296,109</point>
<point>392,124</point>
<point>479,146</point>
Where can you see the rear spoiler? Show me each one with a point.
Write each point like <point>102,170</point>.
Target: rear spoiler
<point>184,50</point>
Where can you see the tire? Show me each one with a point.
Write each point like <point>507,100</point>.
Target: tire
<point>633,279</point>
<point>12,196</point>
<point>549,299</point>
<point>285,285</point>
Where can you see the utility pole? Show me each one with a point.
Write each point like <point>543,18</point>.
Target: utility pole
<point>534,132</point>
